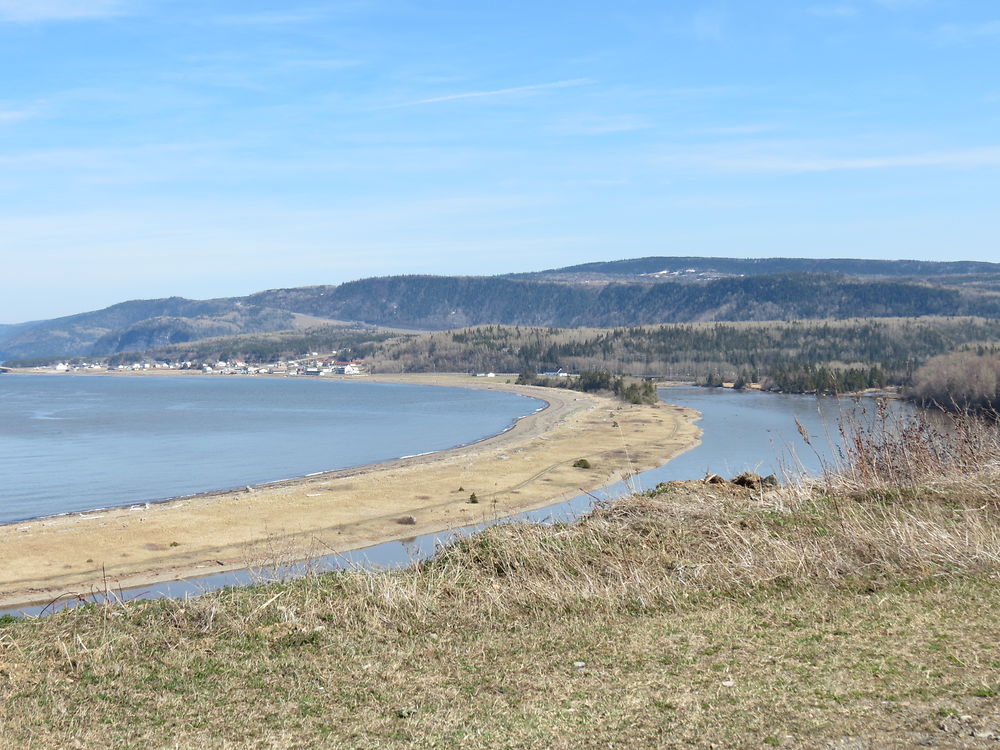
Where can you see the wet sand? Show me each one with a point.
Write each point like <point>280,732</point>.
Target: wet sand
<point>529,466</point>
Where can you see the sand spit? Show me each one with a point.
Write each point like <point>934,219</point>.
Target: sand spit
<point>529,466</point>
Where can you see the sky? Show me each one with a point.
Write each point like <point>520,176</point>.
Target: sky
<point>151,148</point>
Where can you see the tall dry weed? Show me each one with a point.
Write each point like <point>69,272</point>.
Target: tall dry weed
<point>883,449</point>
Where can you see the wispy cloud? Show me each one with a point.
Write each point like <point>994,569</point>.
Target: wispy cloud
<point>709,24</point>
<point>252,72</point>
<point>277,18</point>
<point>703,92</point>
<point>292,15</point>
<point>317,63</point>
<point>746,129</point>
<point>772,161</point>
<point>901,4</point>
<point>602,125</point>
<point>956,32</point>
<point>496,92</point>
<point>59,10</point>
<point>15,115</point>
<point>125,163</point>
<point>834,11</point>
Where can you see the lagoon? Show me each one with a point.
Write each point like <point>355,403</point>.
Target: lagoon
<point>744,431</point>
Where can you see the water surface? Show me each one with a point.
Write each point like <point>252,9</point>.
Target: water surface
<point>749,431</point>
<point>74,443</point>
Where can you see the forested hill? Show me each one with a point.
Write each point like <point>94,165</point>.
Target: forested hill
<point>681,266</point>
<point>444,302</point>
<point>438,302</point>
<point>138,325</point>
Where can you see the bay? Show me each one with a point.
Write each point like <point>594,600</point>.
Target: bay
<point>75,443</point>
<point>742,431</point>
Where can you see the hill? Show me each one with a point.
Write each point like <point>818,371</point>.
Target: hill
<point>658,267</point>
<point>619,293</point>
<point>141,324</point>
<point>445,302</point>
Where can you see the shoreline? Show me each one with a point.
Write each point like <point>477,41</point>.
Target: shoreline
<point>372,466</point>
<point>525,467</point>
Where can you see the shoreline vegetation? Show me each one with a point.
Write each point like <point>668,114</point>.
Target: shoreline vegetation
<point>628,390</point>
<point>959,382</point>
<point>854,610</point>
<point>530,465</point>
<point>835,355</point>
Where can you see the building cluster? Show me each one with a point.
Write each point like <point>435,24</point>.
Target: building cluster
<point>315,366</point>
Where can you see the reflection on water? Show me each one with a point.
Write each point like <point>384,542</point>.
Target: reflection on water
<point>741,432</point>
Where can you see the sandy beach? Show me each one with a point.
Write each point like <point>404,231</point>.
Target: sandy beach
<point>529,466</point>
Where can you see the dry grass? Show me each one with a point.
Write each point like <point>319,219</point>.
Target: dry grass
<point>903,451</point>
<point>694,615</point>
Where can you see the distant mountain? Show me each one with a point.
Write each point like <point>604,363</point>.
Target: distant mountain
<point>138,325</point>
<point>7,330</point>
<point>438,302</point>
<point>441,302</point>
<point>664,267</point>
<point>617,293</point>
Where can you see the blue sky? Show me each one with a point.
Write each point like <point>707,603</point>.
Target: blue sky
<point>164,147</point>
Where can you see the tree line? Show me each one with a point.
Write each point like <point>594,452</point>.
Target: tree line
<point>631,391</point>
<point>961,381</point>
<point>825,356</point>
<point>793,356</point>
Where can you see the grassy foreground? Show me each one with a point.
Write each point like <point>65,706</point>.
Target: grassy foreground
<point>699,615</point>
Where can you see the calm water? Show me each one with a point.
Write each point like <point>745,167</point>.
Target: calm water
<point>742,431</point>
<point>757,432</point>
<point>749,431</point>
<point>77,443</point>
